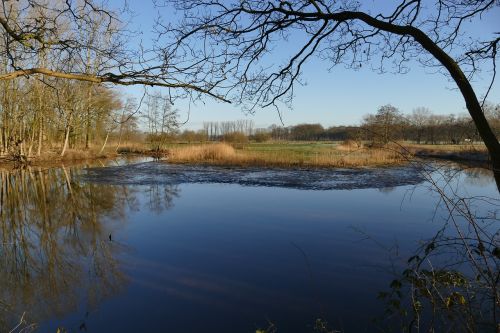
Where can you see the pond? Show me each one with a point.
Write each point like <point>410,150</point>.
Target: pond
<point>138,245</point>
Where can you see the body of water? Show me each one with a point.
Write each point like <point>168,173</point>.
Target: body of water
<point>146,246</point>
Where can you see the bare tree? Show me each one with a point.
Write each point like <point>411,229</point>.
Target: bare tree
<point>78,30</point>
<point>227,43</point>
<point>419,119</point>
<point>385,124</point>
<point>161,118</point>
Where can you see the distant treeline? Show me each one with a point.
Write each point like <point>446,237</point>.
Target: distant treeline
<point>388,123</point>
<point>57,115</point>
<point>422,126</point>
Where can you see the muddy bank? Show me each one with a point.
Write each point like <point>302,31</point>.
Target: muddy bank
<point>459,156</point>
<point>307,179</point>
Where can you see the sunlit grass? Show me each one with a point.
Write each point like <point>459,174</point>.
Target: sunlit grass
<point>284,155</point>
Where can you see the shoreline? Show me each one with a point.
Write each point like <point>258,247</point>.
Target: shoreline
<point>224,155</point>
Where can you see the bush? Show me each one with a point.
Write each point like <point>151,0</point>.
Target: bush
<point>262,137</point>
<point>235,137</point>
<point>192,136</point>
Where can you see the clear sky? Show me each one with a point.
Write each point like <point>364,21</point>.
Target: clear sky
<point>337,97</point>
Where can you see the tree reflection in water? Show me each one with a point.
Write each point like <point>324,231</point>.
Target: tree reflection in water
<point>477,176</point>
<point>56,249</point>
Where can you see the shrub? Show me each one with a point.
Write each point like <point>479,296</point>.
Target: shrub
<point>262,137</point>
<point>235,137</point>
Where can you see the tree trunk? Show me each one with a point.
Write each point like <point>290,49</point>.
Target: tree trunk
<point>87,136</point>
<point>66,136</point>
<point>32,140</point>
<point>21,139</point>
<point>40,137</point>
<point>88,120</point>
<point>121,131</point>
<point>104,144</point>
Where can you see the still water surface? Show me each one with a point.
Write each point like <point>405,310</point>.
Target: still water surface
<point>144,246</point>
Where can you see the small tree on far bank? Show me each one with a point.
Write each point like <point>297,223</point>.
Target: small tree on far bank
<point>419,119</point>
<point>162,120</point>
<point>385,125</point>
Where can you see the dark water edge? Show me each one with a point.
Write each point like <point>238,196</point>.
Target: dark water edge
<point>305,179</point>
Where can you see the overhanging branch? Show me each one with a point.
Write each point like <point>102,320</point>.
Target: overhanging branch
<point>123,80</point>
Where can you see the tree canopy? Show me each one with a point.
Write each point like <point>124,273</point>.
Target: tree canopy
<point>58,38</point>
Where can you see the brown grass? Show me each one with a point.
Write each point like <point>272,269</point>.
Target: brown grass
<point>224,154</point>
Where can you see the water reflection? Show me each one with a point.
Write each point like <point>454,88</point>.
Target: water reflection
<point>462,174</point>
<point>478,176</point>
<point>450,281</point>
<point>161,197</point>
<point>57,248</point>
<point>119,249</point>
<point>387,190</point>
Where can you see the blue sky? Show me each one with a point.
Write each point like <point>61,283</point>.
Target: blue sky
<point>337,97</point>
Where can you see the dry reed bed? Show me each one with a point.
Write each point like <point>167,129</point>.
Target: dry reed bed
<point>225,155</point>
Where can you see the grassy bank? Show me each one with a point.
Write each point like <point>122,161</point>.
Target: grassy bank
<point>284,155</point>
<point>269,154</point>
